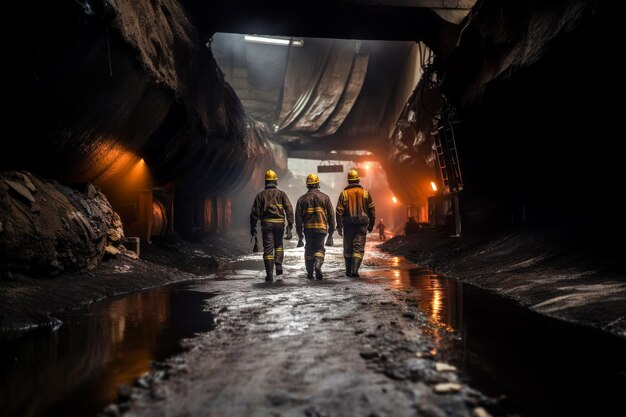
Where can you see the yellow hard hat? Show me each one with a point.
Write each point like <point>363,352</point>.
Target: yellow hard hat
<point>270,175</point>
<point>353,175</point>
<point>312,179</point>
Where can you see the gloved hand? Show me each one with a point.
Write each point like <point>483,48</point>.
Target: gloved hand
<point>370,228</point>
<point>329,240</point>
<point>253,231</point>
<point>340,232</point>
<point>289,235</point>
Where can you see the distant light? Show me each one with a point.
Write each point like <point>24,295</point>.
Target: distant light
<point>333,152</point>
<point>367,166</point>
<point>433,185</point>
<point>273,41</point>
<point>394,199</point>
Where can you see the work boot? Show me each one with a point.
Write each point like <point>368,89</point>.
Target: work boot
<point>348,266</point>
<point>269,269</point>
<point>309,268</point>
<point>279,270</point>
<point>317,264</point>
<point>356,263</point>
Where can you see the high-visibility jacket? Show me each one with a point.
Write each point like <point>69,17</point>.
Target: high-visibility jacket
<point>271,205</point>
<point>356,206</point>
<point>314,213</point>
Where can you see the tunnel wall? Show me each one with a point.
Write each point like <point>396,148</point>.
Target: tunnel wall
<point>538,140</point>
<point>123,94</point>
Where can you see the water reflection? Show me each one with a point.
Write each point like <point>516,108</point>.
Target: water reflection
<point>436,295</point>
<point>75,370</point>
<point>543,366</point>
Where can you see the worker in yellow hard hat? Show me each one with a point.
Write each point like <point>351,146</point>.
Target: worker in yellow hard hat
<point>314,220</point>
<point>356,216</point>
<point>272,207</point>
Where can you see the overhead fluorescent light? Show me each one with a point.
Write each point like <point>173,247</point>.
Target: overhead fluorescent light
<point>271,40</point>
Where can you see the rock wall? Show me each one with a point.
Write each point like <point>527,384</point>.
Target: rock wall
<point>537,140</point>
<point>47,228</point>
<point>115,82</point>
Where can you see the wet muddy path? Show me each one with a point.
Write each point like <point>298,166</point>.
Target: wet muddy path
<point>314,348</point>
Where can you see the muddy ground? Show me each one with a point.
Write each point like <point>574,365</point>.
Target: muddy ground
<point>27,302</point>
<point>543,271</point>
<point>336,347</point>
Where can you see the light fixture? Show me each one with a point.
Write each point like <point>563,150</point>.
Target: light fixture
<point>394,199</point>
<point>271,40</point>
<point>433,185</point>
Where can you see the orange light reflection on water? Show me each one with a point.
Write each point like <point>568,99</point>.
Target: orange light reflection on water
<point>437,295</point>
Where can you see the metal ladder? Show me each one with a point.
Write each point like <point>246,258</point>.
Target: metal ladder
<point>448,159</point>
<point>449,169</point>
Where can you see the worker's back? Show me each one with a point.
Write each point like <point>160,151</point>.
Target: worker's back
<point>356,203</point>
<point>270,204</point>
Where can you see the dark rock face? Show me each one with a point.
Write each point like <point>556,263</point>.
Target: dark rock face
<point>48,228</point>
<point>536,147</point>
<point>119,81</point>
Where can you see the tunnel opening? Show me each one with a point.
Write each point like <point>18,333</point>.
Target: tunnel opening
<point>332,99</point>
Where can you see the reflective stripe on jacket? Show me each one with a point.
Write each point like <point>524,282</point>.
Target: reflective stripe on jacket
<point>271,205</point>
<point>314,213</point>
<point>356,206</point>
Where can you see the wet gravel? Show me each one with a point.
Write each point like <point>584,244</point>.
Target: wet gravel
<point>336,347</point>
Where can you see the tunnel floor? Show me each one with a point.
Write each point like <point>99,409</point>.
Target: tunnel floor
<point>375,346</point>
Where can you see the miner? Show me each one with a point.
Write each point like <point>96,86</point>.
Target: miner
<point>355,217</point>
<point>272,207</point>
<point>314,219</point>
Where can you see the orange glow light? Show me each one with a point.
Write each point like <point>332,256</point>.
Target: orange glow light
<point>432,184</point>
<point>367,166</point>
<point>394,199</point>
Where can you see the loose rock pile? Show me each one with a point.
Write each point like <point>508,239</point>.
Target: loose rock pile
<point>47,228</point>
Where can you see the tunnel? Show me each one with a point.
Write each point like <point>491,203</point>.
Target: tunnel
<point>141,136</point>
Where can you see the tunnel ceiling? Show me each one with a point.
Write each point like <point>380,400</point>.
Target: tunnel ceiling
<point>325,94</point>
<point>333,92</point>
<point>348,19</point>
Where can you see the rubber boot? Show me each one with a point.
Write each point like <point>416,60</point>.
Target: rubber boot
<point>309,268</point>
<point>317,265</point>
<point>279,270</point>
<point>348,266</point>
<point>356,263</point>
<point>269,269</point>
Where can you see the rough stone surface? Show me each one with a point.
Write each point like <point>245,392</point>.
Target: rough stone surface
<point>480,412</point>
<point>447,388</point>
<point>48,228</point>
<point>444,367</point>
<point>111,250</point>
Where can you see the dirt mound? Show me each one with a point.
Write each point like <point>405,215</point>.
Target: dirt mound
<point>47,228</point>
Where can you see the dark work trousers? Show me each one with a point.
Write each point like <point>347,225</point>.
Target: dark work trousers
<point>354,240</point>
<point>314,246</point>
<point>273,241</point>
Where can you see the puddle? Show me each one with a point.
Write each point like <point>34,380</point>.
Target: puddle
<point>75,370</point>
<point>543,366</point>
